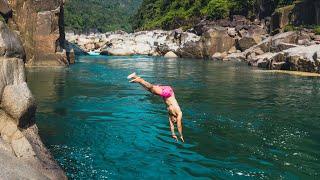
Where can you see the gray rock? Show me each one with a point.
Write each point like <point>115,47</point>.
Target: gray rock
<point>10,44</point>
<point>246,43</point>
<point>192,50</point>
<point>262,61</point>
<point>11,72</point>
<point>4,7</point>
<point>305,59</point>
<point>19,103</point>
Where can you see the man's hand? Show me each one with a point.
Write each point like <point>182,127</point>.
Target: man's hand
<point>181,137</point>
<point>175,137</point>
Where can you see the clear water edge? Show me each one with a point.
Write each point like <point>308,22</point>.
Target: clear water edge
<point>239,123</point>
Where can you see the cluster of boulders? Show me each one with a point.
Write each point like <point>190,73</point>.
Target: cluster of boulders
<point>294,50</point>
<point>153,43</point>
<point>21,149</point>
<point>236,39</point>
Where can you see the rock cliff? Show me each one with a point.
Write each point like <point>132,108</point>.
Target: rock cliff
<point>34,40</point>
<point>41,28</point>
<point>20,146</point>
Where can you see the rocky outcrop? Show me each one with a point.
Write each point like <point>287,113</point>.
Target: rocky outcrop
<point>157,42</point>
<point>20,147</point>
<point>221,40</point>
<point>300,13</point>
<point>41,27</point>
<point>303,58</point>
<point>216,40</point>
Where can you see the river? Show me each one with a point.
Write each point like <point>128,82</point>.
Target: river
<point>239,123</point>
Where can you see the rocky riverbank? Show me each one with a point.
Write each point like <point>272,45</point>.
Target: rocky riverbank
<point>225,40</point>
<point>20,146</point>
<point>30,34</point>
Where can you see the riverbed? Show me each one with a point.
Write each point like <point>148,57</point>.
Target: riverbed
<point>239,123</point>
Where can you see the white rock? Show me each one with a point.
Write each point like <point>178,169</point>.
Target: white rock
<point>170,54</point>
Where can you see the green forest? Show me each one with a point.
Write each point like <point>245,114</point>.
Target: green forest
<point>99,15</point>
<point>169,14</point>
<point>130,15</point>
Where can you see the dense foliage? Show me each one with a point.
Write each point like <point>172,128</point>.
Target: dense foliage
<point>169,14</point>
<point>99,15</point>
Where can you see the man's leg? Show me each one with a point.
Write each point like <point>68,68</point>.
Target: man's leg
<point>148,86</point>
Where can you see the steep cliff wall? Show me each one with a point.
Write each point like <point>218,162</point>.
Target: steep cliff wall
<point>41,27</point>
<point>21,149</point>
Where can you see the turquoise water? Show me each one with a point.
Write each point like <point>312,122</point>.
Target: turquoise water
<point>239,123</point>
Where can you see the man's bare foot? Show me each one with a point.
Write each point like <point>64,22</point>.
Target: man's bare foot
<point>133,75</point>
<point>135,80</point>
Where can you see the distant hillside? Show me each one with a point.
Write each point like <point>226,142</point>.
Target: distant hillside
<point>101,15</point>
<point>170,14</point>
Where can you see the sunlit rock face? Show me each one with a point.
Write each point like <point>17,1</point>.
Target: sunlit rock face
<point>41,27</point>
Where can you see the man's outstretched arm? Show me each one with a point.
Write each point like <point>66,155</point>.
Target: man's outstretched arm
<point>172,129</point>
<point>179,125</point>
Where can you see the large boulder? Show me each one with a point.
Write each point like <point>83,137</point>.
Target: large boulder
<point>19,103</point>
<point>276,43</point>
<point>10,44</point>
<point>192,50</point>
<point>251,37</point>
<point>262,61</point>
<point>303,58</point>
<point>216,40</point>
<point>157,42</point>
<point>245,43</point>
